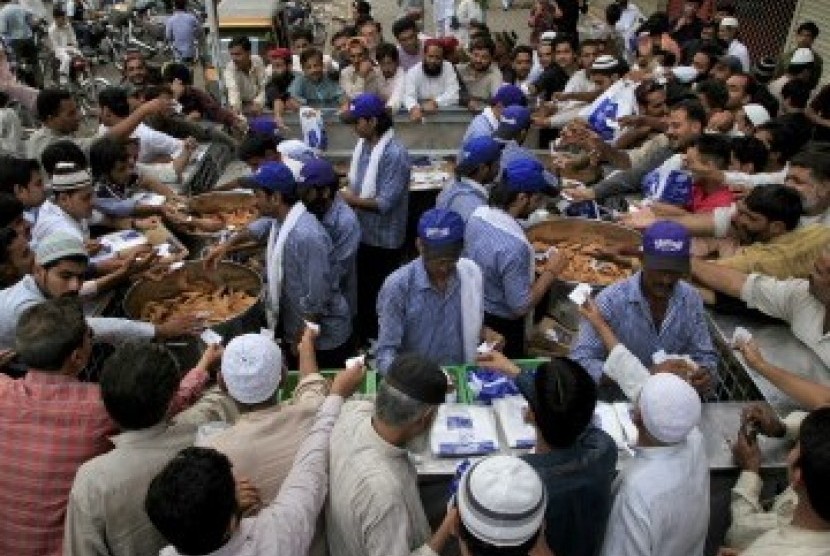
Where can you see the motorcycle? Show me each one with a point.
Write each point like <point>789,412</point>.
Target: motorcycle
<point>82,83</point>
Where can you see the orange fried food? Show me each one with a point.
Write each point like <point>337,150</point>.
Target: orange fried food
<point>215,303</point>
<point>583,265</point>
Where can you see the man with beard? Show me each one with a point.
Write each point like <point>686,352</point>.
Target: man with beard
<point>496,242</point>
<point>728,33</point>
<point>430,85</point>
<point>559,63</point>
<point>521,64</point>
<point>137,73</point>
<point>61,262</point>
<point>279,76</point>
<point>480,78</point>
<point>244,78</point>
<point>318,187</point>
<point>686,121</point>
<point>654,310</point>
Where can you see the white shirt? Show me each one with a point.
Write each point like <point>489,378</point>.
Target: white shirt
<point>741,52</point>
<point>418,87</point>
<point>791,301</point>
<point>661,498</point>
<point>153,144</point>
<point>51,219</point>
<point>629,20</point>
<point>790,541</point>
<point>443,9</point>
<point>62,37</point>
<point>566,111</point>
<point>392,89</point>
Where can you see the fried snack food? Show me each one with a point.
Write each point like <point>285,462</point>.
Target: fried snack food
<point>584,265</point>
<point>216,303</point>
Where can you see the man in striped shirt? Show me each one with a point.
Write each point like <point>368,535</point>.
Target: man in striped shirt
<point>478,166</point>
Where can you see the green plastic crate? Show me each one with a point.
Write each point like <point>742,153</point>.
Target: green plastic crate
<point>459,376</point>
<point>286,391</point>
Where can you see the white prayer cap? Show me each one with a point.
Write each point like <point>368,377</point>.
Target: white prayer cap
<point>605,62</point>
<point>547,36</point>
<point>729,22</point>
<point>252,368</point>
<point>684,74</point>
<point>756,114</point>
<point>802,56</point>
<point>68,177</point>
<point>670,407</point>
<point>502,501</point>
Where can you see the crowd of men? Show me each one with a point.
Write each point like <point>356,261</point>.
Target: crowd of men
<point>718,161</point>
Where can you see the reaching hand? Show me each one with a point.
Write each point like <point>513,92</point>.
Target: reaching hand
<point>497,361</point>
<point>746,453</point>
<point>752,354</point>
<point>347,381</point>
<point>182,325</point>
<point>247,497</point>
<point>764,419</point>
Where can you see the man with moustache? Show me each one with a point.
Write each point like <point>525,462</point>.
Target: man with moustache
<point>431,84</point>
<point>655,310</point>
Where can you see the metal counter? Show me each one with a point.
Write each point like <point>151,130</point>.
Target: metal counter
<point>779,347</point>
<point>719,424</point>
<point>443,130</point>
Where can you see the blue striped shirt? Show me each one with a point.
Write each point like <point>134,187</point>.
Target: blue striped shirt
<point>344,230</point>
<point>309,287</point>
<point>514,151</point>
<point>505,264</point>
<point>683,331</point>
<point>480,126</point>
<point>462,197</point>
<point>414,317</point>
<point>387,227</point>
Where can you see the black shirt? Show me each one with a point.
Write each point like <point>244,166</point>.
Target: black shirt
<point>552,80</point>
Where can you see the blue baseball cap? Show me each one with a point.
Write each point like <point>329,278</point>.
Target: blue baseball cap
<point>366,105</point>
<point>514,119</point>
<point>263,125</point>
<point>509,95</point>
<point>525,175</point>
<point>317,172</point>
<point>439,228</point>
<point>480,150</point>
<point>274,177</point>
<point>667,246</point>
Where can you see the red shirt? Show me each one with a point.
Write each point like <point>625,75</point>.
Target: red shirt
<point>49,425</point>
<point>703,202</point>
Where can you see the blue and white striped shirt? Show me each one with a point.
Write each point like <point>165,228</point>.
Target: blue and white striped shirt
<point>505,264</point>
<point>387,227</point>
<point>309,286</point>
<point>683,331</point>
<point>514,151</point>
<point>463,196</point>
<point>414,317</point>
<point>344,230</point>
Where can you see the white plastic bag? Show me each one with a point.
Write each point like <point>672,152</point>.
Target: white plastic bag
<point>602,114</point>
<point>669,183</point>
<point>313,128</point>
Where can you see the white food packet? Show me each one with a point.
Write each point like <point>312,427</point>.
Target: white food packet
<point>210,337</point>
<point>741,335</point>
<point>353,362</point>
<point>314,327</point>
<point>580,294</point>
<point>485,348</point>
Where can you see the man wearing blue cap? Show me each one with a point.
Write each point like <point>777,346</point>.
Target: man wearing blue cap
<point>433,305</point>
<point>487,122</point>
<point>497,243</point>
<point>655,310</point>
<point>318,186</point>
<point>514,125</point>
<point>302,286</point>
<point>378,191</point>
<point>477,167</point>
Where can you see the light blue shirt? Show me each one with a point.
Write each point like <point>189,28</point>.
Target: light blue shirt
<point>683,331</point>
<point>344,230</point>
<point>414,317</point>
<point>505,264</point>
<point>325,93</point>
<point>182,30</point>
<point>310,287</point>
<point>464,197</point>
<point>387,227</point>
<point>14,23</point>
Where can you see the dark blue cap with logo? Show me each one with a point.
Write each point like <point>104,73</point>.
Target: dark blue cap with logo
<point>513,120</point>
<point>263,125</point>
<point>667,246</point>
<point>274,177</point>
<point>317,172</point>
<point>525,175</point>
<point>366,105</point>
<point>509,95</point>
<point>440,227</point>
<point>480,150</point>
